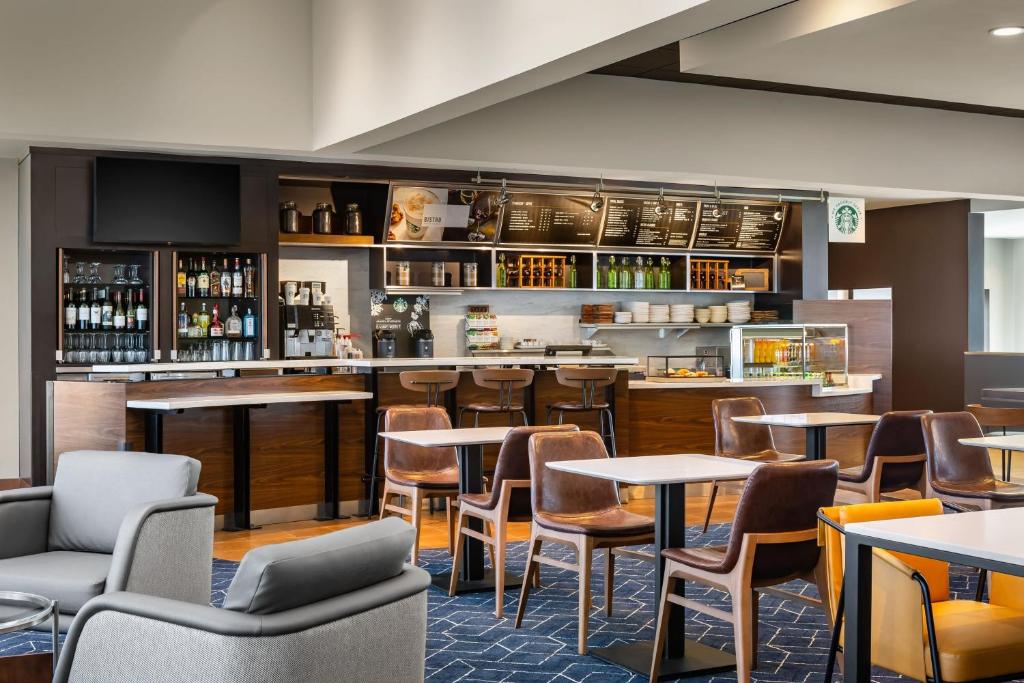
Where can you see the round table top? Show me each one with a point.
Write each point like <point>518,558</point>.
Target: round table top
<point>20,611</point>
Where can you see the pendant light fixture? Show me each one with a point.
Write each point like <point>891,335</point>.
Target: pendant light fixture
<point>662,207</point>
<point>597,203</point>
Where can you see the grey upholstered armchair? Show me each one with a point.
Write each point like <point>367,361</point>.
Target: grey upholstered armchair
<point>339,607</point>
<point>112,521</point>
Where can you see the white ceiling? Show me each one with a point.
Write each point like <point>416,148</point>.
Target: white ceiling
<point>932,49</point>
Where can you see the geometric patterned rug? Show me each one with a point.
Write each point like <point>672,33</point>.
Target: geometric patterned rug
<point>466,643</point>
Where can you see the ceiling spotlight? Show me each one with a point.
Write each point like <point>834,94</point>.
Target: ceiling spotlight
<point>597,203</point>
<point>662,208</point>
<point>503,195</point>
<point>1006,31</point>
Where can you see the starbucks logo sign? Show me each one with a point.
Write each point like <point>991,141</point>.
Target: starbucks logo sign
<point>845,219</point>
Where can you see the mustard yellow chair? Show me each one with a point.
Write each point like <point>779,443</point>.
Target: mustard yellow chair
<point>912,613</point>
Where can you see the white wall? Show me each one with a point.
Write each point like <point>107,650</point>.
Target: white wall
<point>999,284</point>
<point>9,340</point>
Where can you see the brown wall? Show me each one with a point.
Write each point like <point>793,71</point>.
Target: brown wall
<point>921,252</point>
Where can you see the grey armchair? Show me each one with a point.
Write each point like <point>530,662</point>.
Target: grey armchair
<point>112,521</point>
<point>339,607</point>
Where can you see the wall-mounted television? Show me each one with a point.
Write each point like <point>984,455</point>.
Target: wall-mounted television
<point>147,201</point>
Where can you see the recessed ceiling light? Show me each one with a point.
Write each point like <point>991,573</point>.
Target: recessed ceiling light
<point>1007,31</point>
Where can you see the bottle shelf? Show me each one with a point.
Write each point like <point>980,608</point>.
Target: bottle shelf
<point>218,298</point>
<point>109,331</point>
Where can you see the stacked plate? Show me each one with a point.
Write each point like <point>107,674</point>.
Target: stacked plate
<point>659,313</point>
<point>639,310</point>
<point>680,313</point>
<point>623,317</point>
<point>719,314</point>
<point>739,311</point>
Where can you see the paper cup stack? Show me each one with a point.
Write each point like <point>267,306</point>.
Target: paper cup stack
<point>680,313</point>
<point>739,311</point>
<point>640,310</point>
<point>719,314</point>
<point>659,313</point>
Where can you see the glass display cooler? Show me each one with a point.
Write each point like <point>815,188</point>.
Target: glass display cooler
<point>696,368</point>
<point>796,351</point>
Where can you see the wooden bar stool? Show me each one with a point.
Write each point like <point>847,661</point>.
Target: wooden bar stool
<point>588,381</point>
<point>999,419</point>
<point>506,381</point>
<point>433,384</point>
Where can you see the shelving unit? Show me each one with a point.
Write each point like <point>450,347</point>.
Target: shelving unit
<point>588,330</point>
<point>311,240</point>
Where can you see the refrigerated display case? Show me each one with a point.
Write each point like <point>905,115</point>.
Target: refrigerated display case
<point>796,351</point>
<point>685,368</point>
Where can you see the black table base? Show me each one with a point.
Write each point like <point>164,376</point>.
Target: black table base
<point>443,581</point>
<point>815,449</point>
<point>699,659</point>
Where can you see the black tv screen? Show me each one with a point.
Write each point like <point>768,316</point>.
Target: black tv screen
<point>143,201</point>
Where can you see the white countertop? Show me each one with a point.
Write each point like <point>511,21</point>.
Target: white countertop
<point>652,470</point>
<point>437,438</point>
<point>207,401</point>
<point>483,361</point>
<point>856,384</point>
<point>810,420</point>
<point>990,534</point>
<point>1011,442</point>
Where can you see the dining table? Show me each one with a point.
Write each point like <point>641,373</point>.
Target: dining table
<point>669,475</point>
<point>814,424</point>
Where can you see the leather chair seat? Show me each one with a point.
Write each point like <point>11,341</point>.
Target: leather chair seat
<point>493,408</point>
<point>708,558</point>
<point>483,501</point>
<point>978,640</point>
<point>772,456</point>
<point>430,479</point>
<point>72,578</point>
<point>611,522</point>
<point>985,488</point>
<point>578,406</point>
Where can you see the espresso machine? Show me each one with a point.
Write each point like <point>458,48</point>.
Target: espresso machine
<point>307,329</point>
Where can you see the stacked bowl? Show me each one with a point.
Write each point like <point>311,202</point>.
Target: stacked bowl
<point>719,314</point>
<point>739,311</point>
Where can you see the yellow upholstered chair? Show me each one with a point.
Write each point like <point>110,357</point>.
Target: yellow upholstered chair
<point>974,640</point>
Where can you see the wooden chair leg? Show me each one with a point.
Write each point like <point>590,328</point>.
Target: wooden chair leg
<point>585,555</point>
<point>754,604</point>
<point>384,501</point>
<point>531,566</point>
<point>742,631</point>
<point>489,530</point>
<point>450,520</point>
<point>661,624</point>
<point>609,582</point>
<point>711,506</point>
<point>457,555</point>
<point>499,568</point>
<point>417,522</point>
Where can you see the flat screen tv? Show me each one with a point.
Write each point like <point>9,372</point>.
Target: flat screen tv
<point>145,201</point>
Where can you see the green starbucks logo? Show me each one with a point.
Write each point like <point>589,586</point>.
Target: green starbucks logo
<point>846,218</point>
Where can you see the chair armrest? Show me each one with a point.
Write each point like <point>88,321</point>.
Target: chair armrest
<point>24,521</point>
<point>165,548</point>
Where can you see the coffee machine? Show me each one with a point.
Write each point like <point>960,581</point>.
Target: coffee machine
<point>307,329</point>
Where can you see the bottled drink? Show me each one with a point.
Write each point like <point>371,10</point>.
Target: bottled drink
<point>214,278</point>
<point>190,279</point>
<point>649,274</point>
<point>502,273</point>
<point>216,326</point>
<point>129,313</point>
<point>118,319</point>
<point>203,279</point>
<point>237,279</point>
<point>249,324</point>
<point>639,275</point>
<point>83,309</point>
<point>182,278</point>
<point>204,319</point>
<point>625,275</point>
<point>70,311</point>
<point>572,279</point>
<point>249,278</point>
<point>183,321</point>
<point>141,312</point>
<point>613,274</point>
<point>95,311</point>
<point>107,312</point>
<point>194,330</point>
<point>234,324</point>
<point>225,280</point>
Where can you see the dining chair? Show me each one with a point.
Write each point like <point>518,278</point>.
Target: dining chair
<point>999,419</point>
<point>507,501</point>
<point>894,460</point>
<point>741,440</point>
<point>506,381</point>
<point>579,511</point>
<point>417,472</point>
<point>588,381</point>
<point>773,541</point>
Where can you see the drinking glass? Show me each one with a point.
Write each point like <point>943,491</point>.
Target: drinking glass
<point>207,353</point>
<point>133,275</point>
<point>80,278</point>
<point>70,348</point>
<point>139,346</point>
<point>94,273</point>
<point>117,353</point>
<point>119,278</point>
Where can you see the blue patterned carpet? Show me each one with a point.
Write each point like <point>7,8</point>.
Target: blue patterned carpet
<point>466,643</point>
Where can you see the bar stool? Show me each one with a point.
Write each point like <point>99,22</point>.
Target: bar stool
<point>433,384</point>
<point>506,381</point>
<point>588,381</point>
<point>999,418</point>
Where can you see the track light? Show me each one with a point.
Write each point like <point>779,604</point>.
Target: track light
<point>662,208</point>
<point>597,203</point>
<point>503,195</point>
<point>778,212</point>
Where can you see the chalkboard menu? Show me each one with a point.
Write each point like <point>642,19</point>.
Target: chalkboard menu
<point>739,226</point>
<point>634,222</point>
<point>537,218</point>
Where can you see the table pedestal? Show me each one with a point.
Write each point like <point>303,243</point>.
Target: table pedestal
<point>815,443</point>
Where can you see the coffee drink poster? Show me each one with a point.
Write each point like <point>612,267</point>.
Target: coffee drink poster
<point>440,214</point>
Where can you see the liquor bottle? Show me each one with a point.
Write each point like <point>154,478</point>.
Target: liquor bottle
<point>141,312</point>
<point>182,278</point>
<point>95,311</point>
<point>107,312</point>
<point>502,272</point>
<point>129,313</point>
<point>249,324</point>
<point>573,277</point>
<point>67,278</point>
<point>183,320</point>
<point>234,323</point>
<point>190,280</point>
<point>225,280</point>
<point>613,274</point>
<point>83,309</point>
<point>214,278</point>
<point>216,326</point>
<point>649,274</point>
<point>204,319</point>
<point>237,279</point>
<point>249,278</point>
<point>194,330</point>
<point>70,311</point>
<point>639,275</point>
<point>118,320</point>
<point>203,279</point>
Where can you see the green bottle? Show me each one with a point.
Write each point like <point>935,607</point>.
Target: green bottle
<point>613,274</point>
<point>664,274</point>
<point>572,271</point>
<point>649,274</point>
<point>625,274</point>
<point>502,272</point>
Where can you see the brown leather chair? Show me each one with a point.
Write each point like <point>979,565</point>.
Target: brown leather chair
<point>742,440</point>
<point>416,472</point>
<point>962,475</point>
<point>505,381</point>
<point>894,460</point>
<point>507,501</point>
<point>773,541</point>
<point>999,419</point>
<point>579,511</point>
<point>588,381</point>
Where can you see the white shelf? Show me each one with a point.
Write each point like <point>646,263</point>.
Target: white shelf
<point>588,330</point>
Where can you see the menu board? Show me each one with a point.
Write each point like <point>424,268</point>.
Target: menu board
<point>739,226</point>
<point>440,214</point>
<point>537,218</point>
<point>634,222</point>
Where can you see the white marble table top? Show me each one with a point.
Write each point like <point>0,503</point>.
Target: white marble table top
<point>185,402</point>
<point>991,534</point>
<point>1011,442</point>
<point>468,436</point>
<point>809,420</point>
<point>651,470</point>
